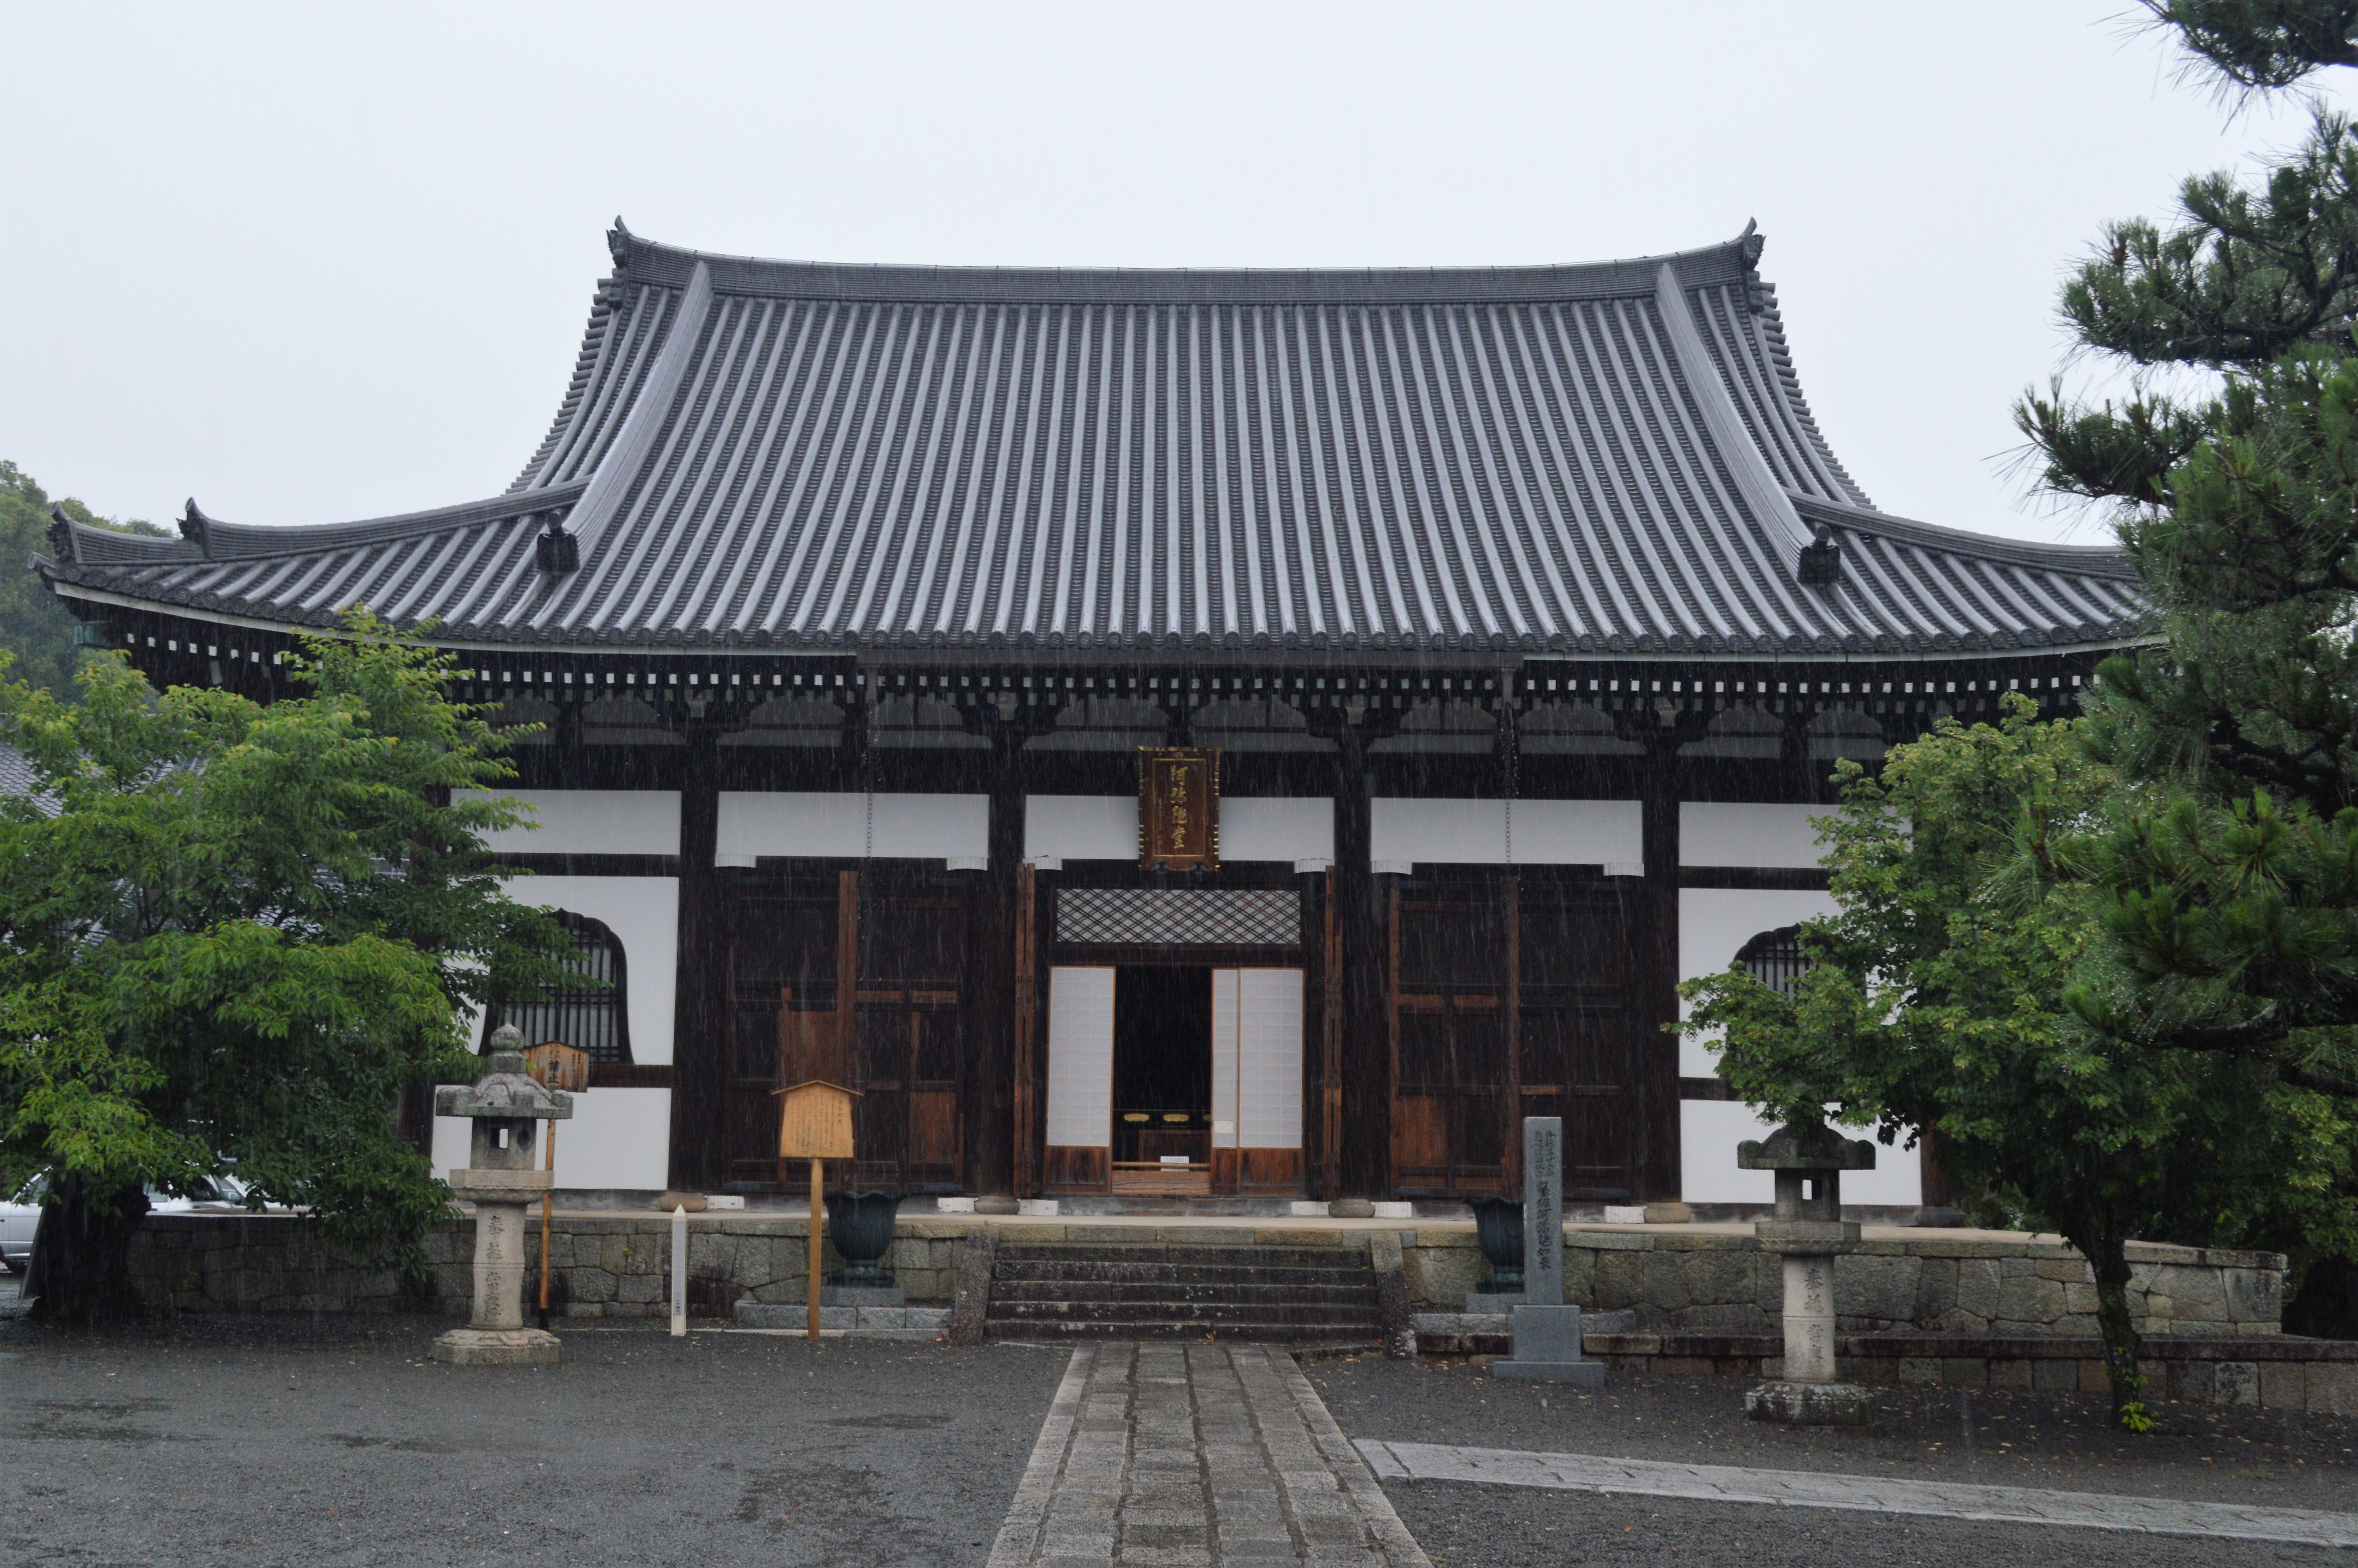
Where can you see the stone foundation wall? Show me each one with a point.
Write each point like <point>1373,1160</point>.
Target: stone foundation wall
<point>1674,1280</point>
<point>1720,1282</point>
<point>598,1266</point>
<point>2279,1372</point>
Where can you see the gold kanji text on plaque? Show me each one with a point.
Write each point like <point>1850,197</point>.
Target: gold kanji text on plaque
<point>1178,808</point>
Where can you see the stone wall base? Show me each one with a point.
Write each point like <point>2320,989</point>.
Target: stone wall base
<point>2273,1371</point>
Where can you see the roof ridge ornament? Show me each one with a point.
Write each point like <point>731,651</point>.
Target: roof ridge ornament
<point>61,535</point>
<point>195,527</point>
<point>1758,296</point>
<point>618,241</point>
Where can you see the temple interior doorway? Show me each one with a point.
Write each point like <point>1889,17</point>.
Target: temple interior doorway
<point>1162,1079</point>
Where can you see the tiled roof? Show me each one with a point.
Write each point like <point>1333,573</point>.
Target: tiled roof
<point>1613,459</point>
<point>16,777</point>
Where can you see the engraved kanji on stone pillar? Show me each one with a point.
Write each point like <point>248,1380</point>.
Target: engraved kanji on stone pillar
<point>1546,1331</point>
<point>507,1105</point>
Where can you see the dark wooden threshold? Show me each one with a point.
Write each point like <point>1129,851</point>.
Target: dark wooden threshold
<point>1777,878</point>
<point>591,865</point>
<point>652,1076</point>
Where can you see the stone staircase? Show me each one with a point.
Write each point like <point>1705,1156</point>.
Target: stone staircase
<point>1322,1297</point>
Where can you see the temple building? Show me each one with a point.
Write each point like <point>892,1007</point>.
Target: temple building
<point>1186,733</point>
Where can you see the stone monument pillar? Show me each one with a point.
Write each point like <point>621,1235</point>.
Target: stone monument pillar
<point>1809,1233</point>
<point>1547,1332</point>
<point>502,1180</point>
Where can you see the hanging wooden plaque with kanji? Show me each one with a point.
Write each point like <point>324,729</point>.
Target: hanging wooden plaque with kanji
<point>1178,809</point>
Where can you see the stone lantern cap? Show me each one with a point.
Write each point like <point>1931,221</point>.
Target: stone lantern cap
<point>1814,1147</point>
<point>1808,1159</point>
<point>507,1091</point>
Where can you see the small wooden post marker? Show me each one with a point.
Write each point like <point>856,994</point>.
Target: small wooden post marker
<point>814,1124</point>
<point>554,1065</point>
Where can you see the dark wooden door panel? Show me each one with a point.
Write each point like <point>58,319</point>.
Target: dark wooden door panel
<point>890,1026</point>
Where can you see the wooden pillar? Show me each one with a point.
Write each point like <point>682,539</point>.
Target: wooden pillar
<point>1657,942</point>
<point>991,973</point>
<point>1328,1179</point>
<point>1364,1057</point>
<point>699,1094</point>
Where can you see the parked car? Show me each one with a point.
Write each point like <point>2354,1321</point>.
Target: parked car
<point>21,1215</point>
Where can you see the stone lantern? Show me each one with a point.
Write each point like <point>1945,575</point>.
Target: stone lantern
<point>507,1105</point>
<point>1809,1232</point>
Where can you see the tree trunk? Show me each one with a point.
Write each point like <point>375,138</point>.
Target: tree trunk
<point>2110,1260</point>
<point>80,1268</point>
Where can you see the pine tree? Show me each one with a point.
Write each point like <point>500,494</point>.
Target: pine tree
<point>2230,890</point>
<point>2233,902</point>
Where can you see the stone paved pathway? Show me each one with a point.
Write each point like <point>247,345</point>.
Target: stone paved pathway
<point>1818,1489</point>
<point>1196,1453</point>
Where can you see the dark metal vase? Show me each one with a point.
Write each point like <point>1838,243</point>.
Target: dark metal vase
<point>861,1225</point>
<point>1499,1227</point>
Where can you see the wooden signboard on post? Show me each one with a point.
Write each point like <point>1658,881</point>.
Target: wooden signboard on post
<point>814,1124</point>
<point>1178,808</point>
<point>555,1065</point>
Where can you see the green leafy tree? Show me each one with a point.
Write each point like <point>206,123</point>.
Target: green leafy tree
<point>33,625</point>
<point>1935,1003</point>
<point>232,934</point>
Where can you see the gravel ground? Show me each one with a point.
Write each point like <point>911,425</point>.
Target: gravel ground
<point>260,1445</point>
<point>2020,1440</point>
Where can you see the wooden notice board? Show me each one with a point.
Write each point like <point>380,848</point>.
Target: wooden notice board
<point>558,1066</point>
<point>1178,808</point>
<point>814,1121</point>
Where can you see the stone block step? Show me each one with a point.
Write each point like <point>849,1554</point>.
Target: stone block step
<point>1296,1335</point>
<point>1176,1274</point>
<point>1361,1295</point>
<point>1178,1312</point>
<point>1157,1252</point>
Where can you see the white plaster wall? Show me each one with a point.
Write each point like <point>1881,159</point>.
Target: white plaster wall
<point>1713,924</point>
<point>1105,828</point>
<point>1712,833</point>
<point>906,826</point>
<point>1080,827</point>
<point>644,911</point>
<point>1547,832</point>
<point>1714,921</point>
<point>591,822</point>
<point>1252,829</point>
<point>615,1138</point>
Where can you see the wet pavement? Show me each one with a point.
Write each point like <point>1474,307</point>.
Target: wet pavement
<point>268,1444</point>
<point>324,1441</point>
<point>2283,1460</point>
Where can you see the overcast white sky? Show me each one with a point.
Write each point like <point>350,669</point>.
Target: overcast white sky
<point>313,263</point>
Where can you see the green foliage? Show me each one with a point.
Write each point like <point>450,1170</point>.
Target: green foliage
<point>2262,44</point>
<point>2231,910</point>
<point>33,625</point>
<point>246,929</point>
<point>1969,907</point>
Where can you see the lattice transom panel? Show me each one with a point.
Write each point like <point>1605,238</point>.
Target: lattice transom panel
<point>1229,916</point>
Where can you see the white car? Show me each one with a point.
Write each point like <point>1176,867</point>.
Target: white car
<point>21,1215</point>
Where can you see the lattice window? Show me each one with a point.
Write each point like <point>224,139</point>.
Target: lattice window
<point>1776,958</point>
<point>590,1018</point>
<point>1229,916</point>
